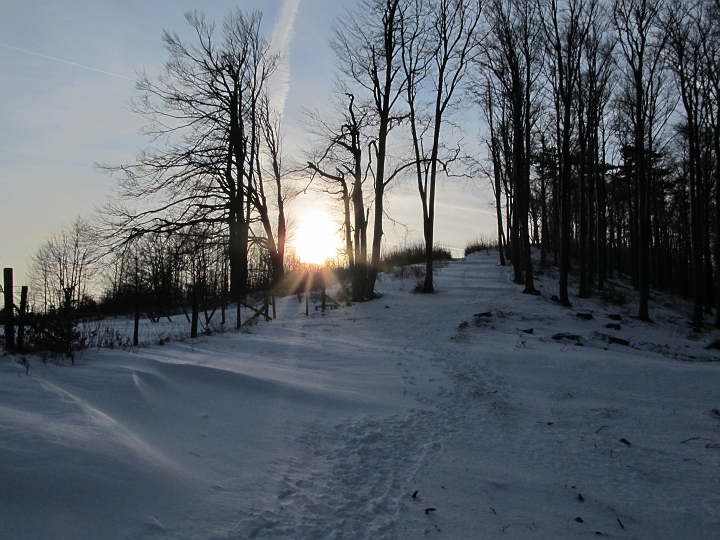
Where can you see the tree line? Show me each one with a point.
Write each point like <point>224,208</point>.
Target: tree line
<point>600,141</point>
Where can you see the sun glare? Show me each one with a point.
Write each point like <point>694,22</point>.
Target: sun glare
<point>316,238</point>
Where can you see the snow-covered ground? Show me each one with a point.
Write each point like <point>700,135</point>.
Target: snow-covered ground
<point>458,415</point>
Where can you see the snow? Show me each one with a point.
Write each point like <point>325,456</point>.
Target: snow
<point>324,426</point>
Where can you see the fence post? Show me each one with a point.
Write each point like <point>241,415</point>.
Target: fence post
<point>308,282</point>
<point>223,303</point>
<point>136,322</point>
<point>9,311</point>
<point>238,312</point>
<point>21,318</point>
<point>136,316</point>
<point>195,311</point>
<point>68,323</point>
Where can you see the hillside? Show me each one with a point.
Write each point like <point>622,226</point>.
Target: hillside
<point>477,412</point>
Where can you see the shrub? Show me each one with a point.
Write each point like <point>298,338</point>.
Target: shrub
<point>480,244</point>
<point>54,333</point>
<point>412,254</point>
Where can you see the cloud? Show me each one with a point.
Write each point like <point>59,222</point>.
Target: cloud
<point>281,36</point>
<point>65,61</point>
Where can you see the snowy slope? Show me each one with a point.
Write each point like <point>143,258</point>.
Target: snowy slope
<point>325,426</point>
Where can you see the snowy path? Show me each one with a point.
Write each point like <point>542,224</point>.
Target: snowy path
<point>324,426</point>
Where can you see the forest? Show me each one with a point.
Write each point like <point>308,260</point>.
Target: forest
<point>600,142</point>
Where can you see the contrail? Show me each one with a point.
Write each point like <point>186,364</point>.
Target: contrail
<point>65,61</point>
<point>281,36</point>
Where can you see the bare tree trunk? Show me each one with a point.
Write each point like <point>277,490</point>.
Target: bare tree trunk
<point>497,168</point>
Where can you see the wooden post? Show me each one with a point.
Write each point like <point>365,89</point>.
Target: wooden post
<point>273,305</point>
<point>68,338</point>
<point>266,301</point>
<point>223,303</point>
<point>323,290</point>
<point>21,318</point>
<point>9,314</point>
<point>195,311</point>
<point>136,325</point>
<point>308,286</point>
<point>224,292</point>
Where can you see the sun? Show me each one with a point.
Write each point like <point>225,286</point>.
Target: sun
<point>316,238</point>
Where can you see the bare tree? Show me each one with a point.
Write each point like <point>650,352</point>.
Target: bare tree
<point>205,120</point>
<point>339,163</point>
<point>596,89</point>
<point>566,24</point>
<point>488,95</point>
<point>367,45</point>
<point>709,30</point>
<point>688,45</point>
<point>63,268</point>
<point>511,59</point>
<point>269,163</point>
<point>641,44</point>
<point>439,42</point>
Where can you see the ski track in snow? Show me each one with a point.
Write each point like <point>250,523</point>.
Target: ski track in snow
<point>498,431</point>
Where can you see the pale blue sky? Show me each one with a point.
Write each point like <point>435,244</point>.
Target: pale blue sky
<point>57,118</point>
